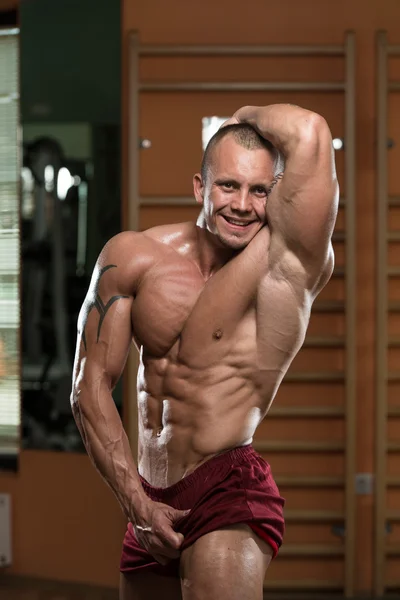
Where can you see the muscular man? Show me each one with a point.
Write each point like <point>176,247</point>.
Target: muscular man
<point>217,310</point>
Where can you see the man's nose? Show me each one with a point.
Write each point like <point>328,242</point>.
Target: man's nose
<point>242,201</point>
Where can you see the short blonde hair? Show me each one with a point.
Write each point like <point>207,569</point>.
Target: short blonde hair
<point>245,135</point>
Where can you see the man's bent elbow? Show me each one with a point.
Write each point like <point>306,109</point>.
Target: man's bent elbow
<point>311,133</point>
<point>317,129</point>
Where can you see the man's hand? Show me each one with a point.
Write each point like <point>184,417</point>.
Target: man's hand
<point>153,526</point>
<point>246,114</point>
<point>232,121</point>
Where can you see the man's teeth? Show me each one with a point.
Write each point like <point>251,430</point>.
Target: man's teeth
<point>236,222</point>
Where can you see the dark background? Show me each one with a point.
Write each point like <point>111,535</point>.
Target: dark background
<point>71,117</point>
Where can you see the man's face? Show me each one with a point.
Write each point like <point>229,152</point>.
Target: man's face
<point>234,193</point>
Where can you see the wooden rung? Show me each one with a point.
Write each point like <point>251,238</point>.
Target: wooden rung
<point>311,550</point>
<point>306,411</point>
<point>314,516</point>
<point>394,341</point>
<point>330,306</point>
<point>393,271</point>
<point>297,446</point>
<point>242,86</point>
<point>394,201</point>
<point>394,306</point>
<point>393,481</point>
<point>393,236</point>
<point>392,584</point>
<point>333,341</point>
<point>339,236</point>
<point>392,549</point>
<point>315,377</point>
<point>393,411</point>
<point>221,50</point>
<point>296,481</point>
<point>338,272</point>
<point>393,515</point>
<point>393,447</point>
<point>167,201</point>
<point>300,584</point>
<point>394,376</point>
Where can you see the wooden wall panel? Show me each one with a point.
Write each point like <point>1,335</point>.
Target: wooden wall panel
<point>167,172</point>
<point>304,22</point>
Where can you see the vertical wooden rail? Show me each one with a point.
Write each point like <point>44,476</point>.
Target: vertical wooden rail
<point>381,316</point>
<point>350,219</point>
<point>133,215</point>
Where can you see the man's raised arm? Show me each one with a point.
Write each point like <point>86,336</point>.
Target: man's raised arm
<point>104,339</point>
<point>303,201</point>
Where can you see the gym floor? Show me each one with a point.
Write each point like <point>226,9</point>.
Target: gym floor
<point>25,588</point>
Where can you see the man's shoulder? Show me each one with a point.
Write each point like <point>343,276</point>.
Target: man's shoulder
<point>125,245</point>
<point>145,241</point>
<point>170,234</point>
<point>132,252</point>
<point>137,251</point>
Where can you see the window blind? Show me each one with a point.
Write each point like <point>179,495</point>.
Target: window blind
<point>9,243</point>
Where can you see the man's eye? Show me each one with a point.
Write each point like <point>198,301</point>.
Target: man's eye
<point>261,191</point>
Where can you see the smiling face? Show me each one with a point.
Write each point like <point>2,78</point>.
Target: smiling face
<point>233,191</point>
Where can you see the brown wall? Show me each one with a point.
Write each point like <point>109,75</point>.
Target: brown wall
<point>66,523</point>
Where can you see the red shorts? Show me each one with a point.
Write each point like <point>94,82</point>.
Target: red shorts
<point>234,487</point>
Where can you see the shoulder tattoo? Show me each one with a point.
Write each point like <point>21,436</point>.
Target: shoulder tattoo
<point>99,305</point>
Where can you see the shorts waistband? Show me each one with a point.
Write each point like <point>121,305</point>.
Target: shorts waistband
<point>235,455</point>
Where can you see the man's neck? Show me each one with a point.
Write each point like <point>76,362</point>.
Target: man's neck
<point>211,254</point>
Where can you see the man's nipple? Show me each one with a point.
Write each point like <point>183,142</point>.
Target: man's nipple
<point>218,333</point>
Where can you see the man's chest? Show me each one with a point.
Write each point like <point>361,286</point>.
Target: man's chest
<point>176,308</point>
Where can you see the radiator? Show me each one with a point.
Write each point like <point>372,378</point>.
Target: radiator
<point>5,530</point>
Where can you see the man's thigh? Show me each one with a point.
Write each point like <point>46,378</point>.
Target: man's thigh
<point>227,564</point>
<point>148,586</point>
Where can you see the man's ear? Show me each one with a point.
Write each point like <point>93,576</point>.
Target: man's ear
<point>198,188</point>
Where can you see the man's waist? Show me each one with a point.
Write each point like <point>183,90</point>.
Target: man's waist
<point>176,474</point>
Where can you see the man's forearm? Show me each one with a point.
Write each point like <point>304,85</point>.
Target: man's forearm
<point>284,125</point>
<point>107,445</point>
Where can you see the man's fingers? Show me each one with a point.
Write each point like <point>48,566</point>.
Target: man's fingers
<point>164,548</point>
<point>161,559</point>
<point>246,114</point>
<point>178,515</point>
<point>180,539</point>
<point>173,539</point>
<point>232,121</point>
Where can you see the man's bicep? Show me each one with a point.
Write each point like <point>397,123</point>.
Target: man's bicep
<point>104,325</point>
<point>302,207</point>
